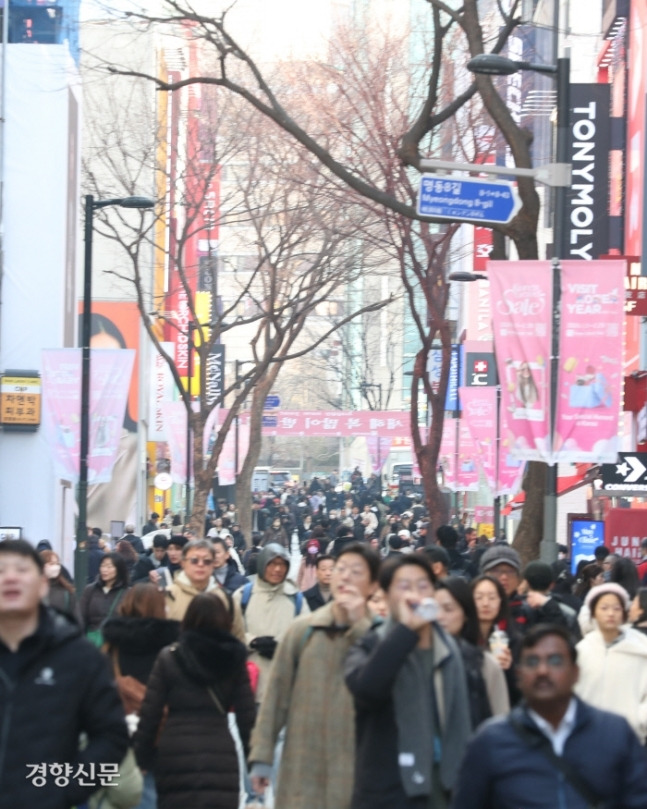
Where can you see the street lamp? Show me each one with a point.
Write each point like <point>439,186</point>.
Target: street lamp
<point>495,65</point>
<point>91,205</point>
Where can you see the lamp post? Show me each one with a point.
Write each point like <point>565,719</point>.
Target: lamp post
<point>91,205</point>
<point>461,275</point>
<point>495,65</point>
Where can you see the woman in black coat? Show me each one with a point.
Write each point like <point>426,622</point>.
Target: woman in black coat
<point>100,599</point>
<point>198,679</point>
<point>132,640</point>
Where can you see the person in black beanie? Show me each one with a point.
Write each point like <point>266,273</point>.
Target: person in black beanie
<point>504,563</point>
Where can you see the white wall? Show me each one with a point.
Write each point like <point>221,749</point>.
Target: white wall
<point>41,251</point>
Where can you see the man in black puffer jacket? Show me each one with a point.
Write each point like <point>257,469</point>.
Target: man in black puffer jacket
<point>54,685</point>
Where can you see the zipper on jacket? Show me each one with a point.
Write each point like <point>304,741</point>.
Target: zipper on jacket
<point>6,720</point>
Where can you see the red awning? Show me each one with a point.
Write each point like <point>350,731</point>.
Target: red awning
<point>564,485</point>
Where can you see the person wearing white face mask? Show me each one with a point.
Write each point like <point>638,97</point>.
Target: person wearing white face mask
<point>61,594</point>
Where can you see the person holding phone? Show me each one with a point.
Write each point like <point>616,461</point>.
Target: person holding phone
<point>412,709</point>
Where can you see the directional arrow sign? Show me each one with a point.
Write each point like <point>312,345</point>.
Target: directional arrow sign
<point>628,475</point>
<point>468,200</point>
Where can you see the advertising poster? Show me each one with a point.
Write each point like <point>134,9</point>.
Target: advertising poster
<point>521,317</point>
<point>479,412</point>
<point>467,471</point>
<point>584,537</point>
<point>479,409</point>
<point>109,380</point>
<point>590,379</point>
<point>624,530</point>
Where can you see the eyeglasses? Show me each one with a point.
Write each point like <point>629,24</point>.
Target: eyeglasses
<point>555,661</point>
<point>195,560</point>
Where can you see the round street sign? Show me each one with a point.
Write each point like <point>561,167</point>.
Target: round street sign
<point>163,481</point>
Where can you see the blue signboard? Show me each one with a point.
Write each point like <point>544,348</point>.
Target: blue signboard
<point>272,402</point>
<point>434,363</point>
<point>468,200</point>
<point>585,536</point>
<point>270,421</point>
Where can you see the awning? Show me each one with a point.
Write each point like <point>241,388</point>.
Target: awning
<point>564,485</point>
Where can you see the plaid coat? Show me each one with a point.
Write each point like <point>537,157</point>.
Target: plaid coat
<point>306,694</point>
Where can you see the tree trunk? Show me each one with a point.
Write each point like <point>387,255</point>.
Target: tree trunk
<point>530,530</point>
<point>244,480</point>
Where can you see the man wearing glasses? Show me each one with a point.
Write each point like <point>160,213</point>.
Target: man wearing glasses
<point>410,692</point>
<point>196,576</point>
<point>306,694</point>
<point>553,750</point>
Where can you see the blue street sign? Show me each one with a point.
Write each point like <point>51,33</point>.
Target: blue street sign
<point>272,402</point>
<point>270,421</point>
<point>468,200</point>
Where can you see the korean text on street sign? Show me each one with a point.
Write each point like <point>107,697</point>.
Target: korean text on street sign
<point>470,200</point>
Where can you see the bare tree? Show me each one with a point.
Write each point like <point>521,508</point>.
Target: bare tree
<point>239,74</point>
<point>297,258</point>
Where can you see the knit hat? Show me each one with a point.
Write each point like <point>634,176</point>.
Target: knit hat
<point>603,589</point>
<point>539,576</point>
<point>500,555</point>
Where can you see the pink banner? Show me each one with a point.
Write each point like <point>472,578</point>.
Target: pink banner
<point>110,374</point>
<point>338,423</point>
<point>479,412</point>
<point>522,317</point>
<point>175,427</point>
<point>589,398</point>
<point>447,454</point>
<point>227,459</point>
<point>378,450</point>
<point>460,471</point>
<point>467,477</point>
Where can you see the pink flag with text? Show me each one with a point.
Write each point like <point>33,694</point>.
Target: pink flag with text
<point>110,374</point>
<point>479,412</point>
<point>460,470</point>
<point>174,414</point>
<point>521,320</point>
<point>590,378</point>
<point>378,450</point>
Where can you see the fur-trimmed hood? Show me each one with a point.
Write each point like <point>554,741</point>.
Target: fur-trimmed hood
<point>209,656</point>
<point>140,635</point>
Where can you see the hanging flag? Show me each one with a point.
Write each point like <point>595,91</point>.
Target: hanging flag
<point>110,374</point>
<point>522,320</point>
<point>590,379</point>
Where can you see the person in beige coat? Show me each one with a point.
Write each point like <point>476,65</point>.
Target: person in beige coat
<point>613,659</point>
<point>305,694</point>
<point>196,577</point>
<point>269,606</point>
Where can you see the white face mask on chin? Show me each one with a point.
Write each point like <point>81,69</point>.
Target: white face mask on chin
<point>52,571</point>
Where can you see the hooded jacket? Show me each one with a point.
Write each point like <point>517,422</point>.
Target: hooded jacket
<point>194,759</point>
<point>270,610</point>
<point>181,593</point>
<point>58,687</point>
<point>614,678</point>
<point>136,642</point>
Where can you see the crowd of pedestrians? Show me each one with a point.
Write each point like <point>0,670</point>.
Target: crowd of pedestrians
<point>394,667</point>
